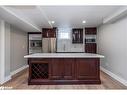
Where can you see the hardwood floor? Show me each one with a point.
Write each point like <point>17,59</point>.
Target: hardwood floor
<point>20,82</point>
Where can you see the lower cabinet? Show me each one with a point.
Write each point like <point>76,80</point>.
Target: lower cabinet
<point>91,48</point>
<point>56,69</point>
<point>68,69</point>
<point>38,69</point>
<point>64,70</point>
<point>87,69</point>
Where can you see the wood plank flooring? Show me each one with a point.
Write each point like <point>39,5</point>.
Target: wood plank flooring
<point>20,82</point>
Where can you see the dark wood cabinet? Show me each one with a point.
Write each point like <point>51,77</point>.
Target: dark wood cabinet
<point>56,69</point>
<point>64,71</point>
<point>90,39</point>
<point>77,35</point>
<point>68,69</point>
<point>49,32</point>
<point>90,48</point>
<point>91,30</point>
<point>38,69</point>
<point>86,70</point>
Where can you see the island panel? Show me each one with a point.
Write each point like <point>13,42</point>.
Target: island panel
<point>64,71</point>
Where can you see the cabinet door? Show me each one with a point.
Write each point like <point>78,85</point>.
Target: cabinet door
<point>44,33</point>
<point>90,47</point>
<point>87,68</point>
<point>68,70</point>
<point>56,69</point>
<point>77,36</point>
<point>52,33</point>
<point>91,31</point>
<point>49,32</point>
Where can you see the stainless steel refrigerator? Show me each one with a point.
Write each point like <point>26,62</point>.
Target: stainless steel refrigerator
<point>49,45</point>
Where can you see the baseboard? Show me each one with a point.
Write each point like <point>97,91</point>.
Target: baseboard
<point>114,76</point>
<point>19,70</point>
<point>13,73</point>
<point>6,79</point>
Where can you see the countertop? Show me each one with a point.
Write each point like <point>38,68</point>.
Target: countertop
<point>64,55</point>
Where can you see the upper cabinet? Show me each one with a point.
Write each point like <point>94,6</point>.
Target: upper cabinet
<point>49,32</point>
<point>90,39</point>
<point>77,36</point>
<point>91,31</point>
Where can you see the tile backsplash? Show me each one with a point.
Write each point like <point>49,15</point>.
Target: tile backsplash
<point>66,45</point>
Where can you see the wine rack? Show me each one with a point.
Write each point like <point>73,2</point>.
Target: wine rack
<point>39,71</point>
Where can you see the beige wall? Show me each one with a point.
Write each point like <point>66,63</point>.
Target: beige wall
<point>18,48</point>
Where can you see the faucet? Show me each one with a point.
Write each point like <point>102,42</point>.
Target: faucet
<point>64,47</point>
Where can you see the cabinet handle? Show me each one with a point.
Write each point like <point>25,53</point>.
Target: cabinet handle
<point>64,47</point>
<point>47,34</point>
<point>74,37</point>
<point>79,37</point>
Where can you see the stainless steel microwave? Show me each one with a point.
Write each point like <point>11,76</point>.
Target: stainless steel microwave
<point>90,39</point>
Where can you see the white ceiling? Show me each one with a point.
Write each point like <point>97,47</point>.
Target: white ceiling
<point>64,16</point>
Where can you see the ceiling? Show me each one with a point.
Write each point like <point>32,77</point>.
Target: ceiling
<point>64,16</point>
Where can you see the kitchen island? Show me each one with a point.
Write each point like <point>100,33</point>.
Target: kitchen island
<point>64,68</point>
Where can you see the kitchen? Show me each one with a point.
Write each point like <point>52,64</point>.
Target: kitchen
<point>48,48</point>
<point>67,56</point>
<point>63,40</point>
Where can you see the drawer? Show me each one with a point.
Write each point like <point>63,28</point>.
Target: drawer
<point>39,60</point>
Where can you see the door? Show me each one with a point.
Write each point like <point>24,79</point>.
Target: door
<point>53,45</point>
<point>68,70</point>
<point>45,45</point>
<point>56,69</point>
<point>49,32</point>
<point>62,69</point>
<point>91,31</point>
<point>90,47</point>
<point>87,68</point>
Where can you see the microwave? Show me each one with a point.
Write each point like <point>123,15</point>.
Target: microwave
<point>90,39</point>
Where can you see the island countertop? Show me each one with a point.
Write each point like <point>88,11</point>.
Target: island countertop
<point>64,55</point>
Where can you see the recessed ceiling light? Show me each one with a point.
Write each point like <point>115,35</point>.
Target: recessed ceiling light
<point>83,21</point>
<point>51,22</point>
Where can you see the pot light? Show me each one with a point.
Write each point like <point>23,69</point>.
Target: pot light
<point>51,22</point>
<point>83,21</point>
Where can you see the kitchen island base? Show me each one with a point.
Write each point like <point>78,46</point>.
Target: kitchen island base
<point>52,71</point>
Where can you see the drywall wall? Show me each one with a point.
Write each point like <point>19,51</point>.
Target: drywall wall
<point>112,43</point>
<point>18,48</point>
<point>7,49</point>
<point>4,51</point>
<point>2,46</point>
<point>13,46</point>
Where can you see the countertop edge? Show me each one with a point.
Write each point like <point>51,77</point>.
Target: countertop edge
<point>65,56</point>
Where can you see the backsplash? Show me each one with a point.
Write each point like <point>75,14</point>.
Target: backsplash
<point>64,44</point>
